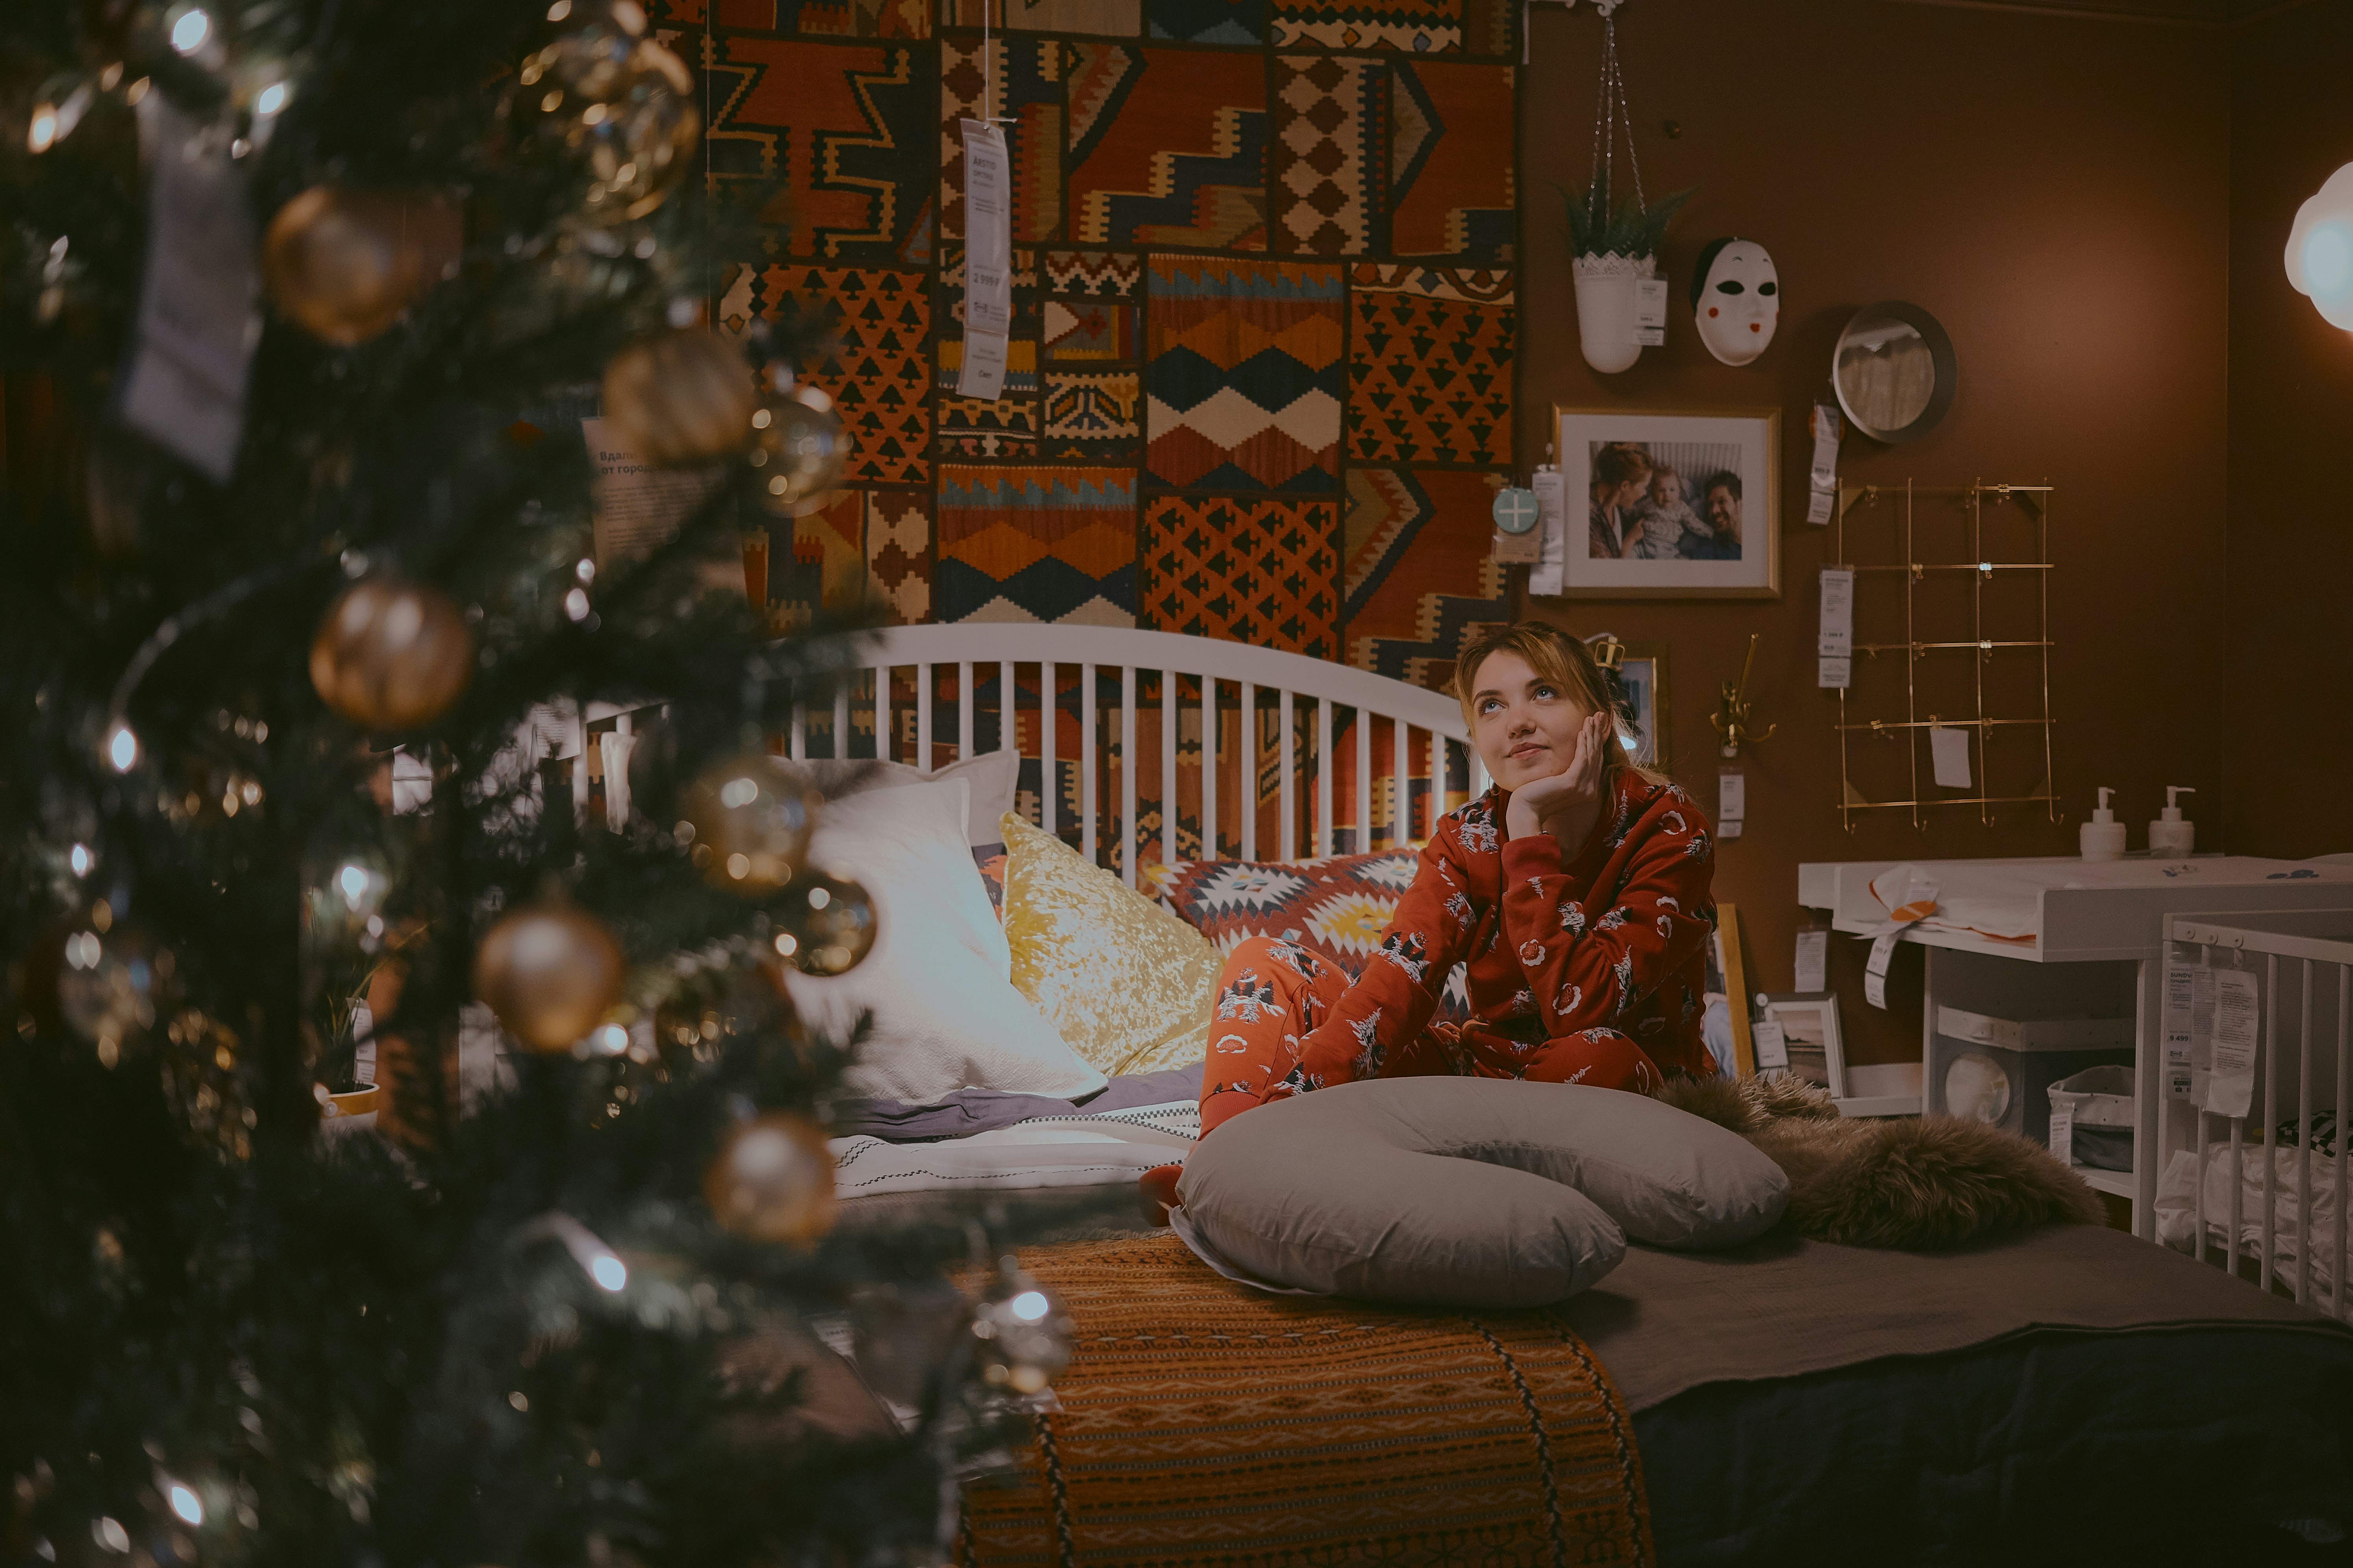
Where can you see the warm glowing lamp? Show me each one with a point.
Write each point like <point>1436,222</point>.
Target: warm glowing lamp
<point>2320,249</point>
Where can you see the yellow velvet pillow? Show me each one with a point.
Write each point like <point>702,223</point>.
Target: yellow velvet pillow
<point>1130,986</point>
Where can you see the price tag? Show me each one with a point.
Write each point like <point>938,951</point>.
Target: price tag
<point>988,234</point>
<point>982,373</point>
<point>1834,636</point>
<point>1731,802</point>
<point>1517,549</point>
<point>1551,529</point>
<point>1772,1043</point>
<point>1650,312</point>
<point>1817,506</point>
<point>1948,753</point>
<point>2063,1133</point>
<point>1813,960</point>
<point>2238,1008</point>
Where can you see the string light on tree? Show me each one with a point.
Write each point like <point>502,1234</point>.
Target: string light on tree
<point>113,982</point>
<point>1024,1335</point>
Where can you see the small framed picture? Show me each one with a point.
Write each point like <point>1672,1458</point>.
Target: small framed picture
<point>1802,1028</point>
<point>1725,1024</point>
<point>1641,669</point>
<point>1681,504</point>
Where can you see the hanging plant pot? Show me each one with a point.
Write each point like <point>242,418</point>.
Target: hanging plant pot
<point>1605,307</point>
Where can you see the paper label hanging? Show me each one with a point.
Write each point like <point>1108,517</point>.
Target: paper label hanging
<point>987,232</point>
<point>1948,756</point>
<point>1919,904</point>
<point>1650,313</point>
<point>1813,961</point>
<point>1731,802</point>
<point>199,316</point>
<point>2238,1008</point>
<point>2188,993</point>
<point>1771,1041</point>
<point>982,373</point>
<point>1834,638</point>
<point>2063,1133</point>
<point>1552,549</point>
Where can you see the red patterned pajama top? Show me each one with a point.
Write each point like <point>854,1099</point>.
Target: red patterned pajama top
<point>1563,959</point>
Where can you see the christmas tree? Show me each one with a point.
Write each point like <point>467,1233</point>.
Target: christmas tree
<point>301,303</point>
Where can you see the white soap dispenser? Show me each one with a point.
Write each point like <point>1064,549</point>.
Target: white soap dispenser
<point>2170,837</point>
<point>2103,837</point>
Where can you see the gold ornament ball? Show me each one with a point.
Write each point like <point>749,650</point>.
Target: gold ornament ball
<point>836,924</point>
<point>392,655</point>
<point>680,397</point>
<point>772,1180</point>
<point>549,972</point>
<point>621,102</point>
<point>752,816</point>
<point>113,983</point>
<point>797,451</point>
<point>342,265</point>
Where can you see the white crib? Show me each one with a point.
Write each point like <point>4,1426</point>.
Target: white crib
<point>916,689</point>
<point>2281,1206</point>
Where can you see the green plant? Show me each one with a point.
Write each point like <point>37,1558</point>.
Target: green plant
<point>1630,229</point>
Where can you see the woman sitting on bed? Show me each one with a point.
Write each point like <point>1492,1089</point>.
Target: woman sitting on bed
<point>1575,890</point>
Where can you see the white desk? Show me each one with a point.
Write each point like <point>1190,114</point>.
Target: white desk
<point>2097,951</point>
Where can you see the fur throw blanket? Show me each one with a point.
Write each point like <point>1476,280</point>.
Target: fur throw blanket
<point>1917,1183</point>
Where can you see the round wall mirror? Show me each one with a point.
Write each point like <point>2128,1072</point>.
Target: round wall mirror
<point>1894,371</point>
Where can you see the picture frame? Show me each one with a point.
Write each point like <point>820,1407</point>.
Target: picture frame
<point>1816,1046</point>
<point>1640,669</point>
<point>1726,985</point>
<point>1686,479</point>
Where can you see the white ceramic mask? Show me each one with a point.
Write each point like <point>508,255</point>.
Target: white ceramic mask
<point>1739,301</point>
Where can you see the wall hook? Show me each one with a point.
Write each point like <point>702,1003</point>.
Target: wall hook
<point>1733,718</point>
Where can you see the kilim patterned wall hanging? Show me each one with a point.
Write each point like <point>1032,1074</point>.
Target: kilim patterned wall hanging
<point>1259,385</point>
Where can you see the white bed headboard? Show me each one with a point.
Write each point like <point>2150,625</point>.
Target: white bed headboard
<point>1420,732</point>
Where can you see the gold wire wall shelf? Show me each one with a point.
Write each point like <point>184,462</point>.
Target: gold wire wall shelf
<point>1953,585</point>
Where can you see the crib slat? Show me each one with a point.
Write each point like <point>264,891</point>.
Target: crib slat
<point>800,751</point>
<point>2304,1142</point>
<point>886,743</point>
<point>842,714</point>
<point>965,705</point>
<point>1127,774</point>
<point>1248,763</point>
<point>1087,757</point>
<point>923,717</point>
<point>1049,711</point>
<point>1208,767</point>
<point>1288,835</point>
<point>2270,1113</point>
<point>1009,708</point>
<point>1323,775</point>
<point>1364,845</point>
<point>1479,780</point>
<point>2344,1156</point>
<point>1169,804</point>
<point>1401,790</point>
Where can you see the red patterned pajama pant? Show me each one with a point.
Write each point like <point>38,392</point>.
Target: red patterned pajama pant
<point>1272,995</point>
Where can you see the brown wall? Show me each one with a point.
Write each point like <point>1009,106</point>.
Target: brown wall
<point>2054,191</point>
<point>2291,448</point>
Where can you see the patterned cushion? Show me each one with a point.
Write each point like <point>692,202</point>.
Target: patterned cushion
<point>1336,907</point>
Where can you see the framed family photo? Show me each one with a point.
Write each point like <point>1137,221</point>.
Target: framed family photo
<point>1672,505</point>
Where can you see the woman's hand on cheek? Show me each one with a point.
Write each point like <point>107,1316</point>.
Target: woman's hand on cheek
<point>1567,804</point>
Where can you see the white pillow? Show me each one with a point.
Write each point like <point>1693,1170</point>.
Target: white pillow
<point>938,980</point>
<point>995,777</point>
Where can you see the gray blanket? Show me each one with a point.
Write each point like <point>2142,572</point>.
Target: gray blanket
<point>971,1111</point>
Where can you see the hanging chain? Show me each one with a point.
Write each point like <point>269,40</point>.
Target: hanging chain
<point>1625,111</point>
<point>1610,110</point>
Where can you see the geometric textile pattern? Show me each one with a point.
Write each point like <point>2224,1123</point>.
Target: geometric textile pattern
<point>1094,274</point>
<point>1430,378</point>
<point>1037,544</point>
<point>1029,93</point>
<point>829,18</point>
<point>1245,384</point>
<point>1251,570</point>
<point>1094,415</point>
<point>1450,176</point>
<point>1348,1433</point>
<point>1326,153</point>
<point>899,552</point>
<point>873,366</point>
<point>823,566</point>
<point>1022,276</point>
<point>845,128</point>
<point>1238,22</point>
<point>1090,332</point>
<point>980,427</point>
<point>1335,908</point>
<point>1167,147</point>
<point>1117,18</point>
<point>1411,26</point>
<point>1419,568</point>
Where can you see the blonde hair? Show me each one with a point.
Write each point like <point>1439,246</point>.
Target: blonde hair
<point>1554,655</point>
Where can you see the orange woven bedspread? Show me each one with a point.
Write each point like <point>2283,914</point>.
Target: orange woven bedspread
<point>1209,1426</point>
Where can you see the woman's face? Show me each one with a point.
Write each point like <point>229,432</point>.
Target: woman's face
<point>1523,725</point>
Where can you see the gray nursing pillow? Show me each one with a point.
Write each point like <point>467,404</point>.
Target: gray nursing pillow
<point>1467,1192</point>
